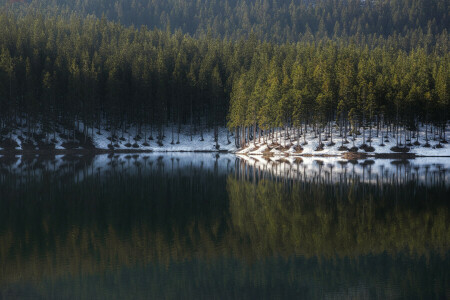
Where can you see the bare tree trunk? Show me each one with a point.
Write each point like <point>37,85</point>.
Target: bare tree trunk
<point>201,133</point>
<point>254,134</point>
<point>331,134</point>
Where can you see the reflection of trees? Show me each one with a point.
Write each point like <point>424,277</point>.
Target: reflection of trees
<point>381,277</point>
<point>316,219</point>
<point>397,172</point>
<point>98,224</point>
<point>101,222</point>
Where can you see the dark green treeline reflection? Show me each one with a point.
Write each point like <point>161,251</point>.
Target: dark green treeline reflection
<point>199,227</point>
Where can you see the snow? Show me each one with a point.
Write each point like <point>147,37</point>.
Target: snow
<point>313,142</point>
<point>100,140</point>
<point>275,151</point>
<point>260,150</point>
<point>185,144</point>
<point>283,146</point>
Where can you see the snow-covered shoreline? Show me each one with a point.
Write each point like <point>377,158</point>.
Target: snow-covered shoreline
<point>288,143</point>
<point>130,141</point>
<point>283,143</point>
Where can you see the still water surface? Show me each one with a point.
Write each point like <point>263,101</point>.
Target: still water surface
<point>201,226</point>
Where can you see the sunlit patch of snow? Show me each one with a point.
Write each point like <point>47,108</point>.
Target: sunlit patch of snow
<point>312,144</point>
<point>260,150</point>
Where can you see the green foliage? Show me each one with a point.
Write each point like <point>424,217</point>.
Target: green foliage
<point>413,21</point>
<point>352,83</point>
<point>64,69</point>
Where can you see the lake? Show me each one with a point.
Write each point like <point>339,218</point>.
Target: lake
<point>202,226</point>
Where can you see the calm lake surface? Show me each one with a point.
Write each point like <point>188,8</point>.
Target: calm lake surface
<point>202,226</point>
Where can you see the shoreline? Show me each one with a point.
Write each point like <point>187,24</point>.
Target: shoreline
<point>96,151</point>
<point>351,155</point>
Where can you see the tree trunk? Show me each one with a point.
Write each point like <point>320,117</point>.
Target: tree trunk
<point>254,134</point>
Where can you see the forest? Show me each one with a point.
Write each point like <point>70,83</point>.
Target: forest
<point>271,20</point>
<point>80,67</point>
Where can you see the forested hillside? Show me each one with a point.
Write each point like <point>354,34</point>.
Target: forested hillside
<point>61,71</point>
<point>351,86</point>
<point>272,20</point>
<point>355,65</point>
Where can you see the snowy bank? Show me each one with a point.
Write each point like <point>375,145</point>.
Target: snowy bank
<point>289,143</point>
<point>131,139</point>
<point>189,139</point>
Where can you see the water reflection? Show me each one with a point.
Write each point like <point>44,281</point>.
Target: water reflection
<point>331,170</point>
<point>202,226</point>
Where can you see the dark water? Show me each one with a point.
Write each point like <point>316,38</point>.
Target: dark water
<point>200,226</point>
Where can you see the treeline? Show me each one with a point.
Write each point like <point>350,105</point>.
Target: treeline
<point>319,86</point>
<point>57,71</point>
<point>69,70</point>
<point>276,21</point>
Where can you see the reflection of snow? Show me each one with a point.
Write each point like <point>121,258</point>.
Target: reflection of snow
<point>80,167</point>
<point>428,170</point>
<point>327,169</point>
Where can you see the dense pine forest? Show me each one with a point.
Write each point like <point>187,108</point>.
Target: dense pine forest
<point>271,20</point>
<point>75,68</point>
